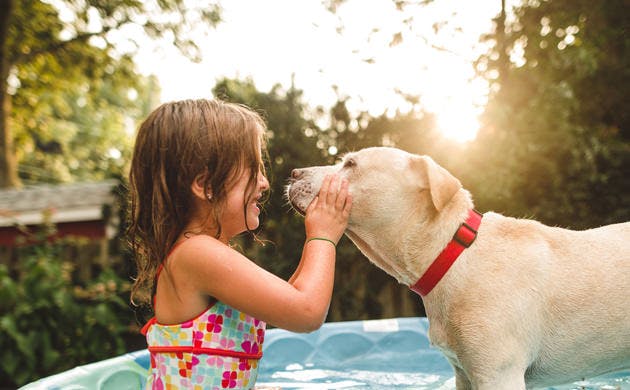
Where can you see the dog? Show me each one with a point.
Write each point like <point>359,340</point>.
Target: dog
<point>522,304</point>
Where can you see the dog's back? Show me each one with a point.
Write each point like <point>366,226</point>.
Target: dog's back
<point>597,286</point>
<point>581,281</point>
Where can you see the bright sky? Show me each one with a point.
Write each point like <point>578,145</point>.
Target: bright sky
<point>273,40</point>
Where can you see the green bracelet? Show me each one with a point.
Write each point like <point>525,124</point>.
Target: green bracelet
<point>322,239</point>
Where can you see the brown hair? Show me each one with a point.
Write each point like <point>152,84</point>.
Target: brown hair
<point>176,143</point>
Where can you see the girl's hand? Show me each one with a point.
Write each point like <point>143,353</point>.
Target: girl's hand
<point>327,215</point>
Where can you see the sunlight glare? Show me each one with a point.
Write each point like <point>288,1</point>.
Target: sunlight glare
<point>457,114</point>
<point>445,79</point>
<point>458,123</point>
<point>457,99</point>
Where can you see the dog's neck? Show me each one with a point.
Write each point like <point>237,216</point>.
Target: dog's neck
<point>432,236</point>
<point>407,252</point>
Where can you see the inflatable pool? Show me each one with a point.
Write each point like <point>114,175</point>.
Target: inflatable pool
<point>377,354</point>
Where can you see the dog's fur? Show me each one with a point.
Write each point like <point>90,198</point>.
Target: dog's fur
<point>525,305</point>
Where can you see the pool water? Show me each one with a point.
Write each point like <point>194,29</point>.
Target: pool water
<point>378,354</point>
<point>357,354</point>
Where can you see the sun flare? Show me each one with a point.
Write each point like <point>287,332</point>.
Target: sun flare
<point>457,112</point>
<point>459,123</point>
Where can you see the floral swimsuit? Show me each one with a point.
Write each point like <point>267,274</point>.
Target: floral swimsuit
<point>218,349</point>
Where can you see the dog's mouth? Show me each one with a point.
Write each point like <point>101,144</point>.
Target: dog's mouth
<point>294,195</point>
<point>300,211</point>
<point>291,200</point>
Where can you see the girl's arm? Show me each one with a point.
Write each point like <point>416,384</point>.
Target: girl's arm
<point>297,271</point>
<point>313,222</point>
<point>208,267</point>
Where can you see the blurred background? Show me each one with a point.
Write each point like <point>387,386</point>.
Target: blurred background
<point>525,101</point>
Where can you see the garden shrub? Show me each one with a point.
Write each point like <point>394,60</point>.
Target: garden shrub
<point>50,322</point>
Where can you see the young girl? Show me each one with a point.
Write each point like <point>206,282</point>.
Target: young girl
<point>196,180</point>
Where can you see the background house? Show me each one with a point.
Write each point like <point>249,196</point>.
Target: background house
<point>85,211</point>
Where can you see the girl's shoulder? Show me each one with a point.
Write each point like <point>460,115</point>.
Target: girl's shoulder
<point>199,245</point>
<point>198,251</point>
<point>203,266</point>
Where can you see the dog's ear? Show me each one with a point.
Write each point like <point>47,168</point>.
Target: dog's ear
<point>442,185</point>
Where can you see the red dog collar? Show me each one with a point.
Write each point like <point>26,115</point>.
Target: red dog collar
<point>462,239</point>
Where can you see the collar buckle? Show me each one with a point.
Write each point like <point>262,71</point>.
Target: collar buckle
<point>466,234</point>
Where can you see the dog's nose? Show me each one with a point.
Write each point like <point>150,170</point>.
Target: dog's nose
<point>296,173</point>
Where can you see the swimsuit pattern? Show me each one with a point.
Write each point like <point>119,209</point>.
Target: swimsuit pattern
<point>219,349</point>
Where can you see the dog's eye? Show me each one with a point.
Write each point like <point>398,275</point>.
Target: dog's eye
<point>349,163</point>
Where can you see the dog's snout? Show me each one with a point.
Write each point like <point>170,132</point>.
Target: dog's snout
<point>297,173</point>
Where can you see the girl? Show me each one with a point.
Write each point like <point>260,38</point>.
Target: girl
<point>196,180</point>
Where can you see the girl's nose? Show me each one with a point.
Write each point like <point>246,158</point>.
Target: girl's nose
<point>264,183</point>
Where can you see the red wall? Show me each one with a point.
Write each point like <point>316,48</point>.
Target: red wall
<point>87,229</point>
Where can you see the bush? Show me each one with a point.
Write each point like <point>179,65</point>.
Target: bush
<point>50,322</point>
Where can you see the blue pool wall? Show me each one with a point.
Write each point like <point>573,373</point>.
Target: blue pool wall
<point>399,343</point>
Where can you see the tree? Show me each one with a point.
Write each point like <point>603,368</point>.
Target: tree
<point>77,129</point>
<point>47,56</point>
<point>557,128</point>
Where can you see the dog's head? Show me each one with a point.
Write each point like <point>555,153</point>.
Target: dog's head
<point>390,188</point>
<point>384,182</point>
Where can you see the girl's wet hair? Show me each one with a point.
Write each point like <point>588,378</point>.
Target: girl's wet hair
<point>175,144</point>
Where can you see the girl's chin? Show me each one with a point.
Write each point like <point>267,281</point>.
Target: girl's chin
<point>253,222</point>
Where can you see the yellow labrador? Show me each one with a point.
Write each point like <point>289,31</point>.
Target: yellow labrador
<point>525,305</point>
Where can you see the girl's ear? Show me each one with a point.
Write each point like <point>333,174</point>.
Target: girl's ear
<point>198,187</point>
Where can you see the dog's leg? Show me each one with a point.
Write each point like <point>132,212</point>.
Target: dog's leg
<point>491,366</point>
<point>461,380</point>
<point>513,379</point>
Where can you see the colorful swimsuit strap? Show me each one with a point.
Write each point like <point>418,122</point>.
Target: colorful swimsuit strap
<point>159,270</point>
<point>170,252</point>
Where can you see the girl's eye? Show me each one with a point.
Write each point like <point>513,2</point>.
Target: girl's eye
<point>349,163</point>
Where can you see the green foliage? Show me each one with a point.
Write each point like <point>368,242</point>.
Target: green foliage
<point>81,131</point>
<point>73,107</point>
<point>556,138</point>
<point>73,94</point>
<point>50,323</point>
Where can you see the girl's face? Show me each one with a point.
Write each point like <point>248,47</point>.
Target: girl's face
<point>233,222</point>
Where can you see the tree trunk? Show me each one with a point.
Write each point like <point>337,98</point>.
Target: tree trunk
<point>503,60</point>
<point>8,164</point>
